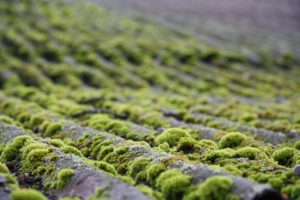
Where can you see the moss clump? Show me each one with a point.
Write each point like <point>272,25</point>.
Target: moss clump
<point>154,171</point>
<point>297,145</point>
<point>98,121</point>
<point>56,142</point>
<point>150,192</point>
<point>248,152</point>
<point>10,152</point>
<point>296,192</point>
<point>105,151</point>
<point>71,149</point>
<point>52,128</point>
<point>216,188</point>
<point>173,183</point>
<point>117,128</point>
<point>175,187</point>
<point>284,156</point>
<point>26,194</point>
<point>172,136</point>
<point>232,140</point>
<point>219,154</point>
<point>137,167</point>
<point>105,167</point>
<point>186,145</point>
<point>63,177</point>
<point>3,168</point>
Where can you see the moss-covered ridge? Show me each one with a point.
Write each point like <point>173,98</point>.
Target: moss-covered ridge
<point>146,109</point>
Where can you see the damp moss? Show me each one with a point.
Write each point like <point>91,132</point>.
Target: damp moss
<point>284,156</point>
<point>3,168</point>
<point>150,192</point>
<point>11,151</point>
<point>105,167</point>
<point>62,179</point>
<point>232,140</point>
<point>297,145</point>
<point>175,187</point>
<point>166,175</point>
<point>249,152</point>
<point>117,128</point>
<point>172,136</point>
<point>56,142</point>
<point>52,129</point>
<point>26,194</point>
<point>137,166</point>
<point>153,171</point>
<point>219,154</point>
<point>186,144</point>
<point>71,149</point>
<point>105,151</point>
<point>216,187</point>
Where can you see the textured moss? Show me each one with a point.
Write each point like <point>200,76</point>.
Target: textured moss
<point>186,145</point>
<point>175,187</point>
<point>153,171</point>
<point>71,149</point>
<point>284,156</point>
<point>249,152</point>
<point>232,140</point>
<point>297,145</point>
<point>105,167</point>
<point>217,188</point>
<point>105,151</point>
<point>137,166</point>
<point>26,194</point>
<point>3,168</point>
<point>219,154</point>
<point>11,151</point>
<point>172,136</point>
<point>63,177</point>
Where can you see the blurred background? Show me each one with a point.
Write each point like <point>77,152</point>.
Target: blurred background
<point>237,24</point>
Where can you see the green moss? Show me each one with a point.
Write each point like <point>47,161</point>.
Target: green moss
<point>3,168</point>
<point>284,156</point>
<point>6,120</point>
<point>248,152</point>
<point>97,147</point>
<point>166,175</point>
<point>62,179</point>
<point>69,198</point>
<point>137,166</point>
<point>216,187</point>
<point>150,192</point>
<point>52,129</point>
<point>56,142</point>
<point>296,192</point>
<point>105,167</point>
<point>71,149</point>
<point>232,140</point>
<point>276,183</point>
<point>219,154</point>
<point>204,145</point>
<point>26,194</point>
<point>175,187</point>
<point>186,145</point>
<point>31,146</point>
<point>98,121</point>
<point>126,179</point>
<point>172,136</point>
<point>105,151</point>
<point>117,128</point>
<point>11,151</point>
<point>297,145</point>
<point>164,146</point>
<point>153,171</point>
